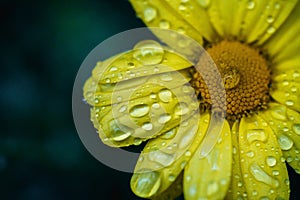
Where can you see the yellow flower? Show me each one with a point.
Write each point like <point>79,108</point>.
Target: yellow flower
<point>256,46</point>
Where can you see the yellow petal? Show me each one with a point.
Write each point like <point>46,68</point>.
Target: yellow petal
<point>164,157</point>
<point>287,92</point>
<point>265,175</point>
<point>283,45</point>
<point>286,125</point>
<point>237,188</point>
<point>195,15</point>
<point>209,177</point>
<point>158,13</point>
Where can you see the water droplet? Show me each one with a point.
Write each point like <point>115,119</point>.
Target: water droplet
<point>250,154</point>
<point>148,52</point>
<point>183,164</point>
<point>261,176</point>
<point>285,142</point>
<point>279,112</point>
<point>147,126</point>
<point>122,109</point>
<point>162,158</point>
<point>212,188</point>
<point>277,6</point>
<point>107,80</point>
<point>156,106</point>
<point>139,110</point>
<point>289,103</point>
<point>149,14</point>
<point>204,3</point>
<point>96,101</point>
<point>254,193</point>
<point>182,7</point>
<point>271,30</point>
<point>275,172</point>
<point>164,118</point>
<point>164,24</point>
<point>181,109</point>
<point>188,137</point>
<point>251,5</point>
<point>119,132</point>
<point>188,153</point>
<point>188,178</point>
<point>264,198</point>
<point>256,135</point>
<point>165,95</point>
<point>270,19</point>
<point>231,78</point>
<point>171,178</point>
<point>169,134</point>
<point>153,96</point>
<point>271,161</point>
<point>166,77</point>
<point>296,128</point>
<point>145,184</point>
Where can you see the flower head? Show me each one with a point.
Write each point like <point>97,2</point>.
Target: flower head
<point>211,142</point>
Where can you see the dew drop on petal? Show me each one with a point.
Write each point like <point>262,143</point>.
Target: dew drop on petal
<point>145,184</point>
<point>139,110</point>
<point>149,14</point>
<point>256,135</point>
<point>279,113</point>
<point>251,5</point>
<point>285,142</point>
<point>271,30</point>
<point>148,52</point>
<point>270,19</point>
<point>164,118</point>
<point>260,175</point>
<point>165,95</point>
<point>204,3</point>
<point>296,128</point>
<point>181,109</point>
<point>271,161</point>
<point>171,178</point>
<point>162,158</point>
<point>289,103</point>
<point>147,126</point>
<point>212,188</point>
<point>164,24</point>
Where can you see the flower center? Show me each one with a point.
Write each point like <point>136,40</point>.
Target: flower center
<point>244,73</point>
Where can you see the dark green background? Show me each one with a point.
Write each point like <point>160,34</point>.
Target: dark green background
<point>43,46</point>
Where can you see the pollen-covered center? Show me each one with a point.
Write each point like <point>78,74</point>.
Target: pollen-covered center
<point>242,71</point>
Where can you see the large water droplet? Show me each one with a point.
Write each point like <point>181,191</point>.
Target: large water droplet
<point>231,78</point>
<point>187,138</point>
<point>296,128</point>
<point>145,184</point>
<point>139,110</point>
<point>271,161</point>
<point>162,158</point>
<point>279,112</point>
<point>285,142</point>
<point>165,95</point>
<point>181,109</point>
<point>260,175</point>
<point>289,103</point>
<point>149,14</point>
<point>256,135</point>
<point>148,52</point>
<point>147,126</point>
<point>271,30</point>
<point>164,118</point>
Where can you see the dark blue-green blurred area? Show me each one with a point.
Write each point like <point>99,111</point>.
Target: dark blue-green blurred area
<point>43,45</point>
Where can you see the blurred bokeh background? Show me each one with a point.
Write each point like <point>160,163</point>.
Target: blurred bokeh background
<point>43,46</point>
